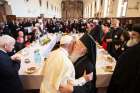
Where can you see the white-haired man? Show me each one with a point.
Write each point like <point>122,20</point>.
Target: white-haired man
<point>59,71</point>
<point>9,79</point>
<point>113,38</point>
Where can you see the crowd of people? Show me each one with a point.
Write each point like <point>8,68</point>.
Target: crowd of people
<point>108,34</point>
<point>73,70</point>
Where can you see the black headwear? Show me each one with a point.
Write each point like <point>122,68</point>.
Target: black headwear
<point>90,44</point>
<point>136,27</point>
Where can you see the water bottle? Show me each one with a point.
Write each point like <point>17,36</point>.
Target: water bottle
<point>37,57</point>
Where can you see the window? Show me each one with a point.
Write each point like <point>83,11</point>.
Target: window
<point>101,2</point>
<point>27,0</point>
<point>55,9</point>
<point>52,7</point>
<point>40,3</point>
<point>47,4</point>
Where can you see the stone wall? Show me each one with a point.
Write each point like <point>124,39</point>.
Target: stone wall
<point>72,9</point>
<point>133,8</point>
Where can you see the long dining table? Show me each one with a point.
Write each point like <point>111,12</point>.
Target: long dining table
<point>105,64</point>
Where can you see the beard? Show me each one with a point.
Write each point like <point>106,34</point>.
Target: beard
<point>132,42</point>
<point>75,56</point>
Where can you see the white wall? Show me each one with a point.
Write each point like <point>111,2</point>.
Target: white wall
<point>21,8</point>
<point>88,10</point>
<point>105,13</point>
<point>32,8</point>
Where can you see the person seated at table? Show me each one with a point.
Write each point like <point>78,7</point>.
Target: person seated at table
<point>84,59</point>
<point>126,76</point>
<point>105,28</point>
<point>9,79</point>
<point>20,41</point>
<point>59,70</point>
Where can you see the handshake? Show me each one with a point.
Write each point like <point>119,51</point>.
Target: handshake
<point>88,77</point>
<point>68,88</point>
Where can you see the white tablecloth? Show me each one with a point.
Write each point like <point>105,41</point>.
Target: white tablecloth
<point>103,76</point>
<point>33,81</point>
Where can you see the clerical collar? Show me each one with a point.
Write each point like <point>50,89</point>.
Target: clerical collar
<point>3,50</point>
<point>65,51</point>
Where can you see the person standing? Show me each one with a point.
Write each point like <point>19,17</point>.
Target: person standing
<point>59,71</point>
<point>9,78</point>
<point>126,76</point>
<point>84,59</point>
<point>113,38</point>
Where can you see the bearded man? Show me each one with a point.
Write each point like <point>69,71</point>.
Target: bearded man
<point>126,76</point>
<point>84,60</point>
<point>83,57</point>
<point>59,72</point>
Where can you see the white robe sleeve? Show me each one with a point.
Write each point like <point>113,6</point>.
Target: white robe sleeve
<point>53,73</point>
<point>80,81</point>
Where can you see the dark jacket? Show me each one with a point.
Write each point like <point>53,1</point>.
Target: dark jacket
<point>19,46</point>
<point>83,65</point>
<point>9,79</point>
<point>126,76</point>
<point>114,34</point>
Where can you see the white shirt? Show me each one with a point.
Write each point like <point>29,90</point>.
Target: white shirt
<point>3,50</point>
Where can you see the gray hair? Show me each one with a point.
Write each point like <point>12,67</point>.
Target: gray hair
<point>6,39</point>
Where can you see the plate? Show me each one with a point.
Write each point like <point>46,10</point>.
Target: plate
<point>31,70</point>
<point>108,69</point>
<point>27,60</point>
<point>109,59</point>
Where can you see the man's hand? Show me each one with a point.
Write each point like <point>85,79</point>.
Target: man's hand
<point>108,40</point>
<point>117,47</point>
<point>16,57</point>
<point>88,77</point>
<point>66,88</point>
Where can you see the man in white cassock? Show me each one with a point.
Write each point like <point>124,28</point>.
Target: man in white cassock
<point>59,70</point>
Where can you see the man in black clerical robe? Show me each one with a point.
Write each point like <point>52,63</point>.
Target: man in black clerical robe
<point>86,63</point>
<point>113,38</point>
<point>126,76</point>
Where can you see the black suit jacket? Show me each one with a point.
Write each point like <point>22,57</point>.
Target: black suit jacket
<point>9,79</point>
